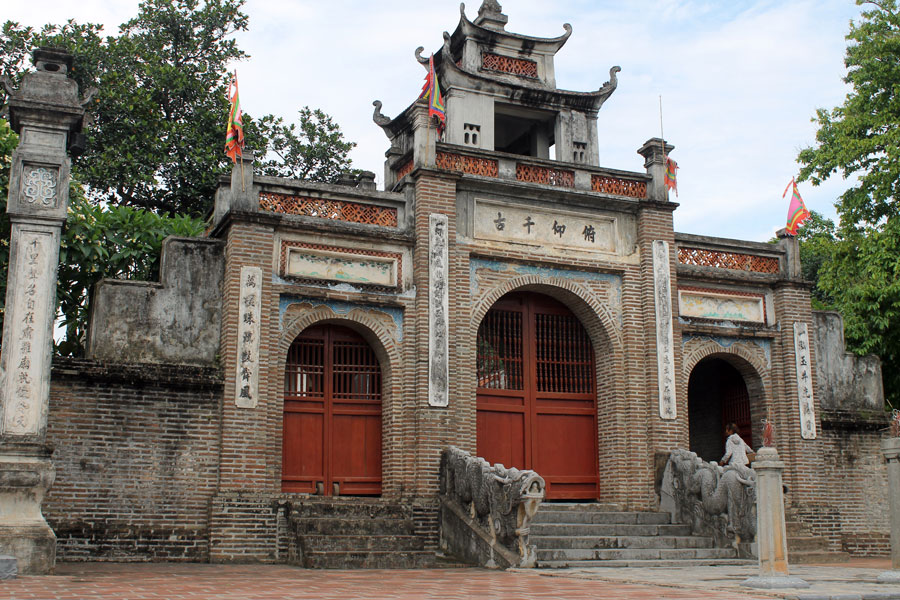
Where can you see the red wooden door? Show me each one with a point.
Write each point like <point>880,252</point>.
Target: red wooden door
<point>332,414</point>
<point>536,397</point>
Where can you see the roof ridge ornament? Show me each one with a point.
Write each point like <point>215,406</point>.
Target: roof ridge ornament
<point>490,16</point>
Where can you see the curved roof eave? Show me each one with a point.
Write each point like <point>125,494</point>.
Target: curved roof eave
<point>467,29</point>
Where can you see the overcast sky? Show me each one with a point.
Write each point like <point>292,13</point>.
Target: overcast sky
<point>739,80</point>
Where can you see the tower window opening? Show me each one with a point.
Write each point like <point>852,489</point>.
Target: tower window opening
<point>523,131</point>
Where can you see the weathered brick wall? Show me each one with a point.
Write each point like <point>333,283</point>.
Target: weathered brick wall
<point>136,456</point>
<point>850,507</point>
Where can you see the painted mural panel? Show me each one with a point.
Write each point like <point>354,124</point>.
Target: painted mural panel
<point>723,307</point>
<point>346,267</point>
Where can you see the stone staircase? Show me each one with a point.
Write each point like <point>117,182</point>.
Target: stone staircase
<point>805,548</point>
<point>595,535</point>
<point>359,534</point>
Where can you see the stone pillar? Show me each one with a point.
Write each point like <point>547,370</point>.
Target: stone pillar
<point>655,163</point>
<point>791,248</point>
<point>771,535</point>
<point>890,448</point>
<point>47,114</point>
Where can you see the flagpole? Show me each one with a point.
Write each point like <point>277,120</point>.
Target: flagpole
<point>242,173</point>
<point>662,136</point>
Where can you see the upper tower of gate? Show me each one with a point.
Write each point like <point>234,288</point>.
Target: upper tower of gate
<point>500,93</point>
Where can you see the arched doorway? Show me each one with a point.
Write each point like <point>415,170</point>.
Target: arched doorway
<point>332,414</point>
<point>717,395</point>
<point>536,393</point>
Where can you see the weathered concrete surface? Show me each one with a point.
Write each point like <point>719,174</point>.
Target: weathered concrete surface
<point>845,381</point>
<point>177,320</point>
<point>8,567</point>
<point>24,480</point>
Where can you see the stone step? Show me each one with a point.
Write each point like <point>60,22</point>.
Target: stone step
<point>634,554</point>
<point>562,564</point>
<point>361,543</point>
<point>372,560</point>
<point>579,507</point>
<point>360,509</point>
<point>805,543</point>
<point>347,526</point>
<point>605,518</point>
<point>587,541</point>
<point>807,557</point>
<point>595,530</point>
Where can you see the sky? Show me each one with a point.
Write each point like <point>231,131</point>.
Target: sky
<point>740,81</point>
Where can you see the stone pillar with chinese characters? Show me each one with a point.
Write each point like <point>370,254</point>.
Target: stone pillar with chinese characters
<point>890,449</point>
<point>47,113</point>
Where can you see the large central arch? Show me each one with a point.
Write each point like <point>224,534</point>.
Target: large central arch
<point>537,387</point>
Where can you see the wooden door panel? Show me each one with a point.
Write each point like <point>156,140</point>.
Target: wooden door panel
<point>302,456</point>
<point>501,437</point>
<point>332,414</point>
<point>536,399</point>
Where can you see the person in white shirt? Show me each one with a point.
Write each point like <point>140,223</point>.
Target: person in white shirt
<point>735,448</point>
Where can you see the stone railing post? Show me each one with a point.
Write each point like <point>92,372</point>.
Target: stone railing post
<point>47,114</point>
<point>771,535</point>
<point>890,448</point>
<point>655,163</point>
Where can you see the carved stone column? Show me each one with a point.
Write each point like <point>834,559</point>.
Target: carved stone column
<point>771,535</point>
<point>890,448</point>
<point>47,114</point>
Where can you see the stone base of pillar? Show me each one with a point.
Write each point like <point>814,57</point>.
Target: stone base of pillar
<point>26,474</point>
<point>889,577</point>
<point>775,583</point>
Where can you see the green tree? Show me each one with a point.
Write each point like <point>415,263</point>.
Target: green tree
<point>314,149</point>
<point>817,240</point>
<point>157,136</point>
<point>155,147</point>
<point>861,139</point>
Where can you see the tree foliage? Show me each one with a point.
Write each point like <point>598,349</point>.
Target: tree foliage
<point>155,146</point>
<point>861,139</point>
<point>158,131</point>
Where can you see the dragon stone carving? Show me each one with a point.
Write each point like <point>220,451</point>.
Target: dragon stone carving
<point>716,501</point>
<point>486,510</point>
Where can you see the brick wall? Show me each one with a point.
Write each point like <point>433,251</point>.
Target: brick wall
<point>136,456</point>
<point>850,506</point>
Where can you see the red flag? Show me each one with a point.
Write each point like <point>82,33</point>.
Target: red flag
<point>671,178</point>
<point>234,136</point>
<point>797,212</point>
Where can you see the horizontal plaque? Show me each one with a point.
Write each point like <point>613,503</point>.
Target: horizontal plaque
<point>722,307</point>
<point>542,227</point>
<point>342,265</point>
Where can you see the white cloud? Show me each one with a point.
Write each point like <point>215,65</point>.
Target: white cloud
<point>740,80</point>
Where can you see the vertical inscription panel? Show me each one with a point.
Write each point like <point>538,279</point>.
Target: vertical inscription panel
<point>438,320</point>
<point>665,352</point>
<point>246,389</point>
<point>26,350</point>
<point>804,382</point>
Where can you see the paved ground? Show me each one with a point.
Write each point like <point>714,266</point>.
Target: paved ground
<point>849,581</point>
<point>259,582</point>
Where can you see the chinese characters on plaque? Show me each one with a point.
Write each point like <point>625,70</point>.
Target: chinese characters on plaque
<point>438,305</point>
<point>665,352</point>
<point>804,382</point>
<point>542,227</point>
<point>29,342</point>
<point>249,309</point>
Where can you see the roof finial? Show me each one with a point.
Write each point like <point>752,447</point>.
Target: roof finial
<point>490,16</point>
